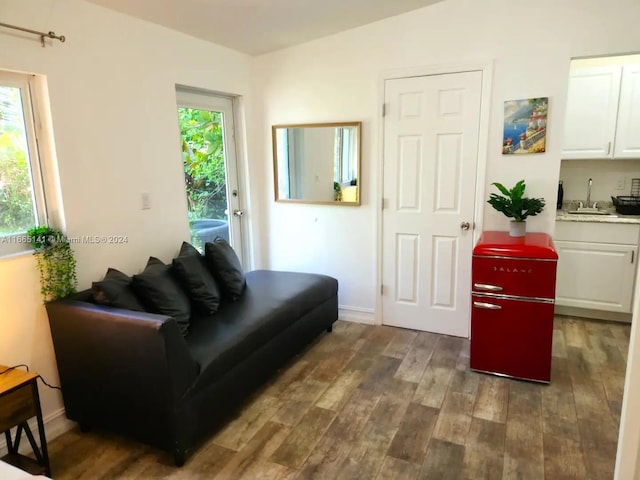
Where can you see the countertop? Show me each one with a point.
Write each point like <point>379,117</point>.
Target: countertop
<point>615,217</point>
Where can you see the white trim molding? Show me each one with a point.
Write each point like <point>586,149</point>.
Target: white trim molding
<point>356,314</point>
<point>595,314</point>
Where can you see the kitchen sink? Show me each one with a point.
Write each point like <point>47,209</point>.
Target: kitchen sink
<point>590,211</point>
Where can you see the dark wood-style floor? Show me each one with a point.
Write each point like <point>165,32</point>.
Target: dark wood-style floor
<point>383,403</point>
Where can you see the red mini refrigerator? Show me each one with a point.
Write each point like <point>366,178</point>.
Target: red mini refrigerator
<point>513,293</point>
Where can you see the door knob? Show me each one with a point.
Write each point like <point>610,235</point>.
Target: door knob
<point>465,225</point>
<point>238,213</point>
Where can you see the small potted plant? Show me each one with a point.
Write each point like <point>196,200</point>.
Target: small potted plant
<point>514,205</point>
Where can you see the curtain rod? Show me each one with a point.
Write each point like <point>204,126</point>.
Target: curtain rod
<point>42,35</point>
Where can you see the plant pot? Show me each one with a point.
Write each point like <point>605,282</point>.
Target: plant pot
<point>517,229</point>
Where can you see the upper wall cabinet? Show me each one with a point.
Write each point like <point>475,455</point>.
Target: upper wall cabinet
<point>603,113</point>
<point>592,107</point>
<point>628,127</point>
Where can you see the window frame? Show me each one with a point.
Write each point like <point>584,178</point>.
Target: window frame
<point>18,242</point>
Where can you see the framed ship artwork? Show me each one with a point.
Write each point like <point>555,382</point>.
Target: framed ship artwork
<point>525,126</point>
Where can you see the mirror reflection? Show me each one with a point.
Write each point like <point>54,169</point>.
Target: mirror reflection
<point>317,163</point>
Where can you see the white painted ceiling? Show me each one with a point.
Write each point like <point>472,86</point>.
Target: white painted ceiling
<point>261,26</point>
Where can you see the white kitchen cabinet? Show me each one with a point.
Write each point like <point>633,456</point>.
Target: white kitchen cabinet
<point>627,141</point>
<point>592,108</point>
<point>596,265</point>
<point>603,113</point>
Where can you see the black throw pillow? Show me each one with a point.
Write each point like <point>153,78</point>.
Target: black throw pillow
<point>226,268</point>
<point>161,293</point>
<point>192,273</point>
<point>115,291</point>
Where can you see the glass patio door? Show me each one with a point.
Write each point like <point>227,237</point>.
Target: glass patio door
<point>210,168</point>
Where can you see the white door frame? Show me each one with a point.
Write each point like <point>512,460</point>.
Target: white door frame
<point>486,67</point>
<point>242,160</point>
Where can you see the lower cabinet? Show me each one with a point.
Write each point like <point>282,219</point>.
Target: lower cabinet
<point>596,265</point>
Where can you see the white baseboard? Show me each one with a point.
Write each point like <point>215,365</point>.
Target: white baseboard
<point>55,424</point>
<point>357,314</point>
<point>595,314</point>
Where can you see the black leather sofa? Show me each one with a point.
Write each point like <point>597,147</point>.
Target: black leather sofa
<point>136,374</point>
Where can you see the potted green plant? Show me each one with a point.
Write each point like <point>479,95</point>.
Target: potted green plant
<point>55,261</point>
<point>514,204</point>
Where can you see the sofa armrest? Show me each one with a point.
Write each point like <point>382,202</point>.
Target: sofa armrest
<point>118,358</point>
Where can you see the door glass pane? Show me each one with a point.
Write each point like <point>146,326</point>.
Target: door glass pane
<point>202,133</point>
<point>17,202</point>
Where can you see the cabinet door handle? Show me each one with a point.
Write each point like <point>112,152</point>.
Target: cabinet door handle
<point>608,148</point>
<point>633,255</point>
<point>487,287</point>
<point>487,306</point>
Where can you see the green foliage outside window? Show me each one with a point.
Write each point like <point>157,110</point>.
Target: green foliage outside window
<point>16,200</point>
<point>203,157</point>
<point>16,209</point>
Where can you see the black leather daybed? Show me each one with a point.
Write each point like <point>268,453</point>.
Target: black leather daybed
<point>141,375</point>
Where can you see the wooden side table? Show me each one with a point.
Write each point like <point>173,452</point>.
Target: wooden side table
<point>19,401</point>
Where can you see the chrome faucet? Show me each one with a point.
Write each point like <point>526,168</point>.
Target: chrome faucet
<point>589,184</point>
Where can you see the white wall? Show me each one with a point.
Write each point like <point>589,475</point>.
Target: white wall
<point>112,93</point>
<point>338,78</point>
<point>628,454</point>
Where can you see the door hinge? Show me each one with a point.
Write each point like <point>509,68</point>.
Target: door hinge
<point>384,109</point>
<point>381,289</point>
<point>382,204</point>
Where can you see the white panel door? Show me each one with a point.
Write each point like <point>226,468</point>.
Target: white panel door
<point>430,162</point>
<point>592,108</point>
<point>628,128</point>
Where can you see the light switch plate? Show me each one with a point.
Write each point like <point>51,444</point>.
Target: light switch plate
<point>146,201</point>
<point>620,183</point>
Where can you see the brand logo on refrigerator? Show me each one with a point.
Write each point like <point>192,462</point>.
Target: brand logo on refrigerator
<point>512,270</point>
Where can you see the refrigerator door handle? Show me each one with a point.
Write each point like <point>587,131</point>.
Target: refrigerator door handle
<point>487,306</point>
<point>487,287</point>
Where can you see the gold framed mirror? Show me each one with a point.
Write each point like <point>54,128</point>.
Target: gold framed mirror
<point>317,163</point>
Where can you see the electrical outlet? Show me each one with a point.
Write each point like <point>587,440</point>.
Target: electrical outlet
<point>146,201</point>
<point>620,183</point>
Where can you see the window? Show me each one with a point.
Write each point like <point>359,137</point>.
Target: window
<point>22,202</point>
